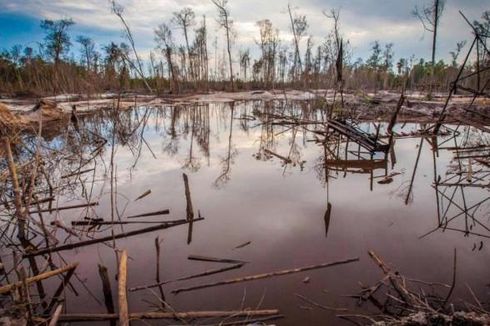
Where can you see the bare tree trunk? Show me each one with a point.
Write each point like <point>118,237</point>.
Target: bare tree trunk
<point>434,35</point>
<point>229,56</point>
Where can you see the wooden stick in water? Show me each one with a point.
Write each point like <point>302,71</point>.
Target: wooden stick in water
<point>96,223</point>
<point>10,287</point>
<point>56,315</point>
<point>65,208</point>
<point>265,275</point>
<point>215,260</point>
<point>106,289</point>
<point>285,159</point>
<point>243,245</point>
<point>162,212</point>
<point>206,273</point>
<point>189,209</point>
<point>107,238</point>
<point>143,195</point>
<point>122,290</point>
<point>170,315</point>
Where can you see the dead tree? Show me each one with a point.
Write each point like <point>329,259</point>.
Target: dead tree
<point>163,37</point>
<point>200,54</point>
<point>118,11</point>
<point>269,40</point>
<point>338,51</point>
<point>429,16</point>
<point>185,19</point>
<point>225,22</point>
<point>299,25</point>
<point>245,62</point>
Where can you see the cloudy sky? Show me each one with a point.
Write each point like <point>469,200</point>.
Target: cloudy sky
<point>362,21</point>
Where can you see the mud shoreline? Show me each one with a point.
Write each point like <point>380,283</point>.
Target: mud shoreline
<point>56,110</point>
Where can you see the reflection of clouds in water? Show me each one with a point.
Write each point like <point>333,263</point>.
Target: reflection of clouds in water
<point>282,214</point>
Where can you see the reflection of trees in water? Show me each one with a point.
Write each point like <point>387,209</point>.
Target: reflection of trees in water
<point>172,146</point>
<point>231,153</point>
<point>192,123</point>
<point>267,140</point>
<point>202,128</point>
<point>463,204</point>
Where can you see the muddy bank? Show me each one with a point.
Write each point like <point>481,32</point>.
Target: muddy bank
<point>24,113</point>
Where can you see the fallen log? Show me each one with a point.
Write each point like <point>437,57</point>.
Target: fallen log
<point>265,275</point>
<point>107,238</point>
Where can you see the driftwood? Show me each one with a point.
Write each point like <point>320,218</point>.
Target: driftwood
<point>10,287</point>
<point>265,275</point>
<point>122,290</point>
<point>396,281</point>
<point>107,238</point>
<point>170,315</point>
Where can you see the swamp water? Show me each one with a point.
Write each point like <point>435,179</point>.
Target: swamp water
<point>248,195</point>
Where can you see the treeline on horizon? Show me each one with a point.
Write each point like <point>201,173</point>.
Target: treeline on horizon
<point>175,68</point>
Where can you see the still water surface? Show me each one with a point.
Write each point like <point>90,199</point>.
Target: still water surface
<point>248,195</point>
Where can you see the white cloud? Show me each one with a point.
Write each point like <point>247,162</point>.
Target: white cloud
<point>362,21</point>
